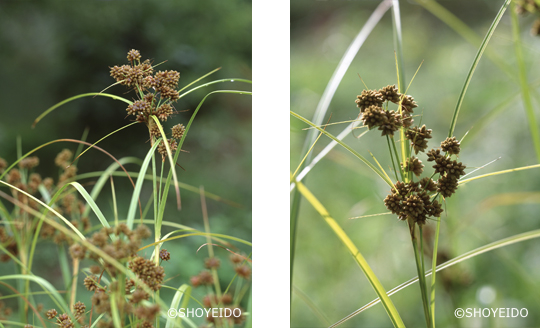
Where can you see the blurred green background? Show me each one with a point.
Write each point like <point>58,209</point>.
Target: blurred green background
<point>51,50</point>
<point>479,213</point>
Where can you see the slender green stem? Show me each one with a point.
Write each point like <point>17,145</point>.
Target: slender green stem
<point>421,236</point>
<point>392,157</point>
<point>398,48</point>
<point>156,206</point>
<point>419,268</point>
<point>161,178</point>
<point>433,269</point>
<point>397,158</point>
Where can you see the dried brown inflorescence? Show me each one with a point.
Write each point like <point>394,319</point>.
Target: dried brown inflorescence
<point>212,263</point>
<point>29,188</point>
<point>374,114</point>
<point>156,92</point>
<point>148,272</point>
<point>410,200</point>
<point>414,165</point>
<point>417,136</point>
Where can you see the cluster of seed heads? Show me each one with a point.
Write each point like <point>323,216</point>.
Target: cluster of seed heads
<point>412,200</point>
<point>376,114</point>
<point>416,200</point>
<point>148,271</point>
<point>156,93</point>
<point>122,244</point>
<point>28,181</point>
<point>64,320</point>
<point>206,278</point>
<point>532,7</point>
<point>118,242</point>
<point>158,89</point>
<point>177,133</point>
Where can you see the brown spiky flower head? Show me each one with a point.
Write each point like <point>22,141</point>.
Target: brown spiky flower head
<point>152,88</point>
<point>450,146</point>
<point>369,98</point>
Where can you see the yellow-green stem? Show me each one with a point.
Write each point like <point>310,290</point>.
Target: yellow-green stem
<point>74,283</point>
<point>422,278</point>
<point>434,271</point>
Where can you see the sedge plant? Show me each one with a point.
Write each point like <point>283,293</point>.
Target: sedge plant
<point>422,169</point>
<point>112,265</point>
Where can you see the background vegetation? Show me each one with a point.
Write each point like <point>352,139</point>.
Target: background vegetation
<point>481,212</point>
<point>51,51</point>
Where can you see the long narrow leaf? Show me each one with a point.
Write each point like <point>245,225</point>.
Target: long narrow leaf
<point>480,250</point>
<point>149,177</point>
<point>214,82</point>
<point>355,153</point>
<point>182,294</point>
<point>474,64</point>
<point>322,107</point>
<point>370,275</point>
<point>326,150</point>
<point>66,221</point>
<point>47,286</point>
<point>104,177</point>
<point>108,135</point>
<point>197,234</point>
<point>461,182</point>
<point>314,308</point>
<point>138,186</point>
<point>171,160</point>
<point>84,242</point>
<point>92,204</point>
<point>50,109</point>
<point>180,143</point>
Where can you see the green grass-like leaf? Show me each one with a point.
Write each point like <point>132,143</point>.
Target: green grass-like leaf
<point>138,186</point>
<point>47,286</point>
<point>370,275</point>
<point>355,153</point>
<point>314,308</point>
<point>480,250</point>
<point>91,203</point>
<point>50,109</point>
<point>182,295</point>
<point>477,58</point>
<point>321,109</point>
<point>149,177</point>
<point>245,242</point>
<point>180,143</point>
<point>171,160</point>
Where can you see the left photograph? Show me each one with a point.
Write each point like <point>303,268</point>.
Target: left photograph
<point>125,164</point>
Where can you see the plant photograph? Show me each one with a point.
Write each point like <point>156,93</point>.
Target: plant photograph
<point>415,163</point>
<point>125,164</point>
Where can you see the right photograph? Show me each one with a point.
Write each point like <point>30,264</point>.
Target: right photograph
<point>415,163</point>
